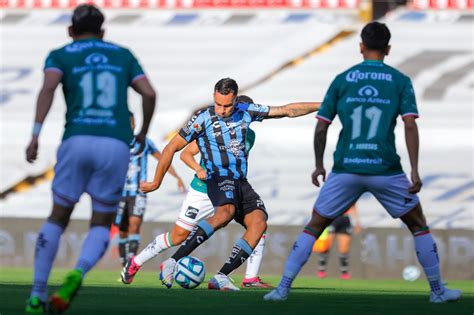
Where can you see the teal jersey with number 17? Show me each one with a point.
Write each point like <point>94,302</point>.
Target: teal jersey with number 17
<point>96,76</point>
<point>368,98</point>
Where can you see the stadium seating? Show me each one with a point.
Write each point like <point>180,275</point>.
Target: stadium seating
<point>186,53</point>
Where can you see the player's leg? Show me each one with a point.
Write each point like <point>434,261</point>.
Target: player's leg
<point>252,280</point>
<point>344,240</point>
<point>252,215</point>
<point>47,245</point>
<point>223,202</point>
<point>135,221</point>
<point>389,191</point>
<point>344,243</point>
<point>338,194</point>
<point>196,207</point>
<point>121,221</point>
<point>104,185</point>
<point>323,250</point>
<point>66,193</point>
<point>256,224</point>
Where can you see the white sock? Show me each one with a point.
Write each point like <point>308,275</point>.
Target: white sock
<point>254,261</point>
<point>427,254</point>
<point>159,244</point>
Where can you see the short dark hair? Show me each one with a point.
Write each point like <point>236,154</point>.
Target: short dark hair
<point>87,18</point>
<point>376,36</point>
<point>226,86</point>
<point>243,99</point>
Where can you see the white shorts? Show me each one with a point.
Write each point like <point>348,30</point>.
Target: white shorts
<point>196,207</point>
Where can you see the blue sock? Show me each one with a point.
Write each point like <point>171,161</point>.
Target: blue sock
<point>47,245</point>
<point>93,248</point>
<point>299,255</point>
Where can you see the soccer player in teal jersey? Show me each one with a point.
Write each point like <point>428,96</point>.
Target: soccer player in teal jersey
<point>196,207</point>
<point>95,76</point>
<point>220,131</point>
<point>368,98</point>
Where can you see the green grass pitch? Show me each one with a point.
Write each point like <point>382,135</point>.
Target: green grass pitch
<point>103,294</point>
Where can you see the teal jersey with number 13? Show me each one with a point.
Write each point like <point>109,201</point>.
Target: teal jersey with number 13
<point>96,76</point>
<point>368,98</point>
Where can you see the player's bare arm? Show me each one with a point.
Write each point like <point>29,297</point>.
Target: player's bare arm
<point>143,87</point>
<point>293,109</point>
<point>320,136</point>
<point>43,105</point>
<point>187,156</point>
<point>172,171</point>
<point>175,145</point>
<point>413,144</point>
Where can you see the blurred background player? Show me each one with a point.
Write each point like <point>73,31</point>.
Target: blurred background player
<point>95,76</point>
<point>133,204</point>
<point>196,207</point>
<point>368,98</point>
<point>220,131</point>
<point>340,229</point>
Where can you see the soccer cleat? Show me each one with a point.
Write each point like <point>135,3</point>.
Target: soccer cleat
<point>277,294</point>
<point>221,282</point>
<point>61,299</point>
<point>35,306</point>
<point>321,274</point>
<point>129,271</point>
<point>447,295</point>
<point>255,282</point>
<point>345,276</point>
<point>167,271</point>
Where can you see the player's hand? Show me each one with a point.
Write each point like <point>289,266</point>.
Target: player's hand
<point>320,171</point>
<point>140,139</point>
<point>32,150</point>
<point>147,187</point>
<point>201,174</point>
<point>415,183</point>
<point>181,186</point>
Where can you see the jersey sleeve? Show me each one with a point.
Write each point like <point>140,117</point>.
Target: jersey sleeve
<point>257,112</point>
<point>151,146</point>
<point>249,140</point>
<point>53,63</point>
<point>193,128</point>
<point>136,70</point>
<point>329,106</point>
<point>408,101</point>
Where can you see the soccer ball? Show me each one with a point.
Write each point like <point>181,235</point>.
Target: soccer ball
<point>189,272</point>
<point>411,273</point>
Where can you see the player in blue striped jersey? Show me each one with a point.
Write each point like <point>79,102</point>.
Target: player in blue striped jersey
<point>220,131</point>
<point>133,204</point>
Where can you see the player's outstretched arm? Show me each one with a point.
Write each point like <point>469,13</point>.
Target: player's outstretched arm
<point>182,188</point>
<point>293,109</point>
<point>187,156</point>
<point>43,105</point>
<point>176,144</point>
<point>143,87</point>
<point>413,143</point>
<point>320,136</point>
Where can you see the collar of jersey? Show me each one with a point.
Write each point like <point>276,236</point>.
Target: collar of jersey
<point>372,61</point>
<point>92,38</point>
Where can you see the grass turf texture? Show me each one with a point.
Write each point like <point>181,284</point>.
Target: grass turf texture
<point>102,294</point>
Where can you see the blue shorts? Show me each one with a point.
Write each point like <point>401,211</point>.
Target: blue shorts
<point>342,190</point>
<point>91,164</point>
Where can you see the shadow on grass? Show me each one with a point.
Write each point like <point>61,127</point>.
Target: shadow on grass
<point>143,301</point>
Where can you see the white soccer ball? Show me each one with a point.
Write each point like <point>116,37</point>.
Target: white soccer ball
<point>189,272</point>
<point>411,273</point>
